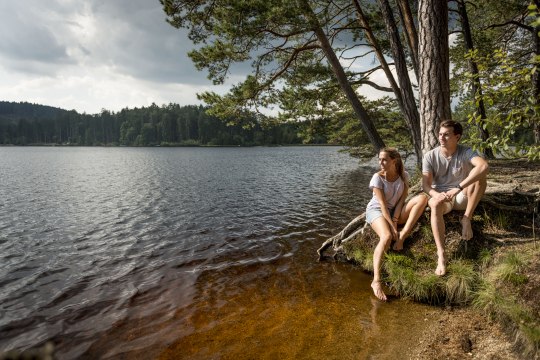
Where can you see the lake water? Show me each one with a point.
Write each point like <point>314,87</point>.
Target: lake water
<point>191,253</point>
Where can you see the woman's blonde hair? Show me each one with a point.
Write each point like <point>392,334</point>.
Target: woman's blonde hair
<point>395,155</point>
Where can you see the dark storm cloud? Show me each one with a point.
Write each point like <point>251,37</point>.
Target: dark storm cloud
<point>142,44</point>
<point>26,44</point>
<point>130,36</point>
<point>147,46</point>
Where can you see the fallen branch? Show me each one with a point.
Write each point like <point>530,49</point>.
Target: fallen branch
<point>349,231</point>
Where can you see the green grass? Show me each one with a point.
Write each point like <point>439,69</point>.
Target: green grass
<point>485,257</point>
<point>497,219</point>
<point>496,296</point>
<point>460,282</point>
<point>510,268</point>
<point>489,278</point>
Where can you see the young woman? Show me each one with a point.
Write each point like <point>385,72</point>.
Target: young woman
<point>387,209</point>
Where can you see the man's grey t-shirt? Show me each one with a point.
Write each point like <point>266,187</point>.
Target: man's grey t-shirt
<point>448,173</point>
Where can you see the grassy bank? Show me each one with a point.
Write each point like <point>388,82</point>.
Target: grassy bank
<point>497,272</point>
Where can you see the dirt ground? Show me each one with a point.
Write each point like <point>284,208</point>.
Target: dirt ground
<point>464,333</point>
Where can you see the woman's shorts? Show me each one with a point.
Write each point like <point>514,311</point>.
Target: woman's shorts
<point>373,214</point>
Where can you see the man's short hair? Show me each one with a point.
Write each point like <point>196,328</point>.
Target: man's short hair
<point>458,129</point>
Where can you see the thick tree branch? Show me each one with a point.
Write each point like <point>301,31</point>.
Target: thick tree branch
<point>512,22</point>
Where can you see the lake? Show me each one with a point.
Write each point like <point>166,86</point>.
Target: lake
<point>192,253</point>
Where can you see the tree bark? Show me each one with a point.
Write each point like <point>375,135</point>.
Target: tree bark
<point>364,23</point>
<point>434,63</point>
<point>476,87</point>
<point>412,117</point>
<point>410,32</point>
<point>365,120</point>
<point>536,78</point>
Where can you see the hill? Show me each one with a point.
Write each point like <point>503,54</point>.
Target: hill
<point>166,125</point>
<point>24,110</point>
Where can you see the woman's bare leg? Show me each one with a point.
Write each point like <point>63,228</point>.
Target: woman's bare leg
<point>382,229</point>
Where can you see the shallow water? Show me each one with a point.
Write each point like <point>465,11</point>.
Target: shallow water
<point>195,253</point>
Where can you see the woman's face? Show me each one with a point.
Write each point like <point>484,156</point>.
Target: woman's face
<point>386,163</point>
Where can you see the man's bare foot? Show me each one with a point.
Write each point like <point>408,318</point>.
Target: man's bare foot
<point>377,290</point>
<point>441,266</point>
<point>466,233</point>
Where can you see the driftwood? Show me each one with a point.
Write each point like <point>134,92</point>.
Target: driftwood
<point>355,228</point>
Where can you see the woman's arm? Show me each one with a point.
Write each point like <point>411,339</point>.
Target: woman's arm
<point>399,205</point>
<point>379,194</point>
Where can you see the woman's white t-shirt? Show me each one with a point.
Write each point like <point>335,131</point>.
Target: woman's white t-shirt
<point>392,191</point>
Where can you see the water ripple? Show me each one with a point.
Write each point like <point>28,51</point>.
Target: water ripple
<point>98,240</point>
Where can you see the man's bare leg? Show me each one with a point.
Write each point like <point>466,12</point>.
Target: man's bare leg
<point>438,228</point>
<point>474,193</point>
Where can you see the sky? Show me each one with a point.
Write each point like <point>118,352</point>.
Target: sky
<point>90,55</point>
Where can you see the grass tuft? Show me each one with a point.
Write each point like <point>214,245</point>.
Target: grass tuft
<point>486,297</point>
<point>460,282</point>
<point>509,270</point>
<point>485,257</point>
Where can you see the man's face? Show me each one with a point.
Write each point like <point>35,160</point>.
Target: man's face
<point>447,138</point>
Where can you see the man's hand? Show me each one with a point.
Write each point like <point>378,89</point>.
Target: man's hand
<point>441,197</point>
<point>452,193</point>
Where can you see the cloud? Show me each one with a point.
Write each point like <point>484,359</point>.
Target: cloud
<point>95,54</point>
<point>28,45</point>
<point>98,54</point>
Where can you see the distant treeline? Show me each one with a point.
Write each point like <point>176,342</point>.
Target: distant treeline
<point>169,125</point>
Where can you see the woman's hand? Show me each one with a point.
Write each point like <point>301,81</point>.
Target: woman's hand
<point>395,235</point>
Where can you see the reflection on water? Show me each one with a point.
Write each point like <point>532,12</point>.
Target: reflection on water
<point>187,253</point>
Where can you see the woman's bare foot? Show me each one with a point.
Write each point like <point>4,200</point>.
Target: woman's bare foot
<point>466,233</point>
<point>441,266</point>
<point>377,290</point>
<point>402,235</point>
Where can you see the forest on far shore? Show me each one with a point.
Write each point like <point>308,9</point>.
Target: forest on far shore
<point>24,123</point>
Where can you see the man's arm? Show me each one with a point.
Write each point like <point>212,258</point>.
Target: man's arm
<point>427,181</point>
<point>479,171</point>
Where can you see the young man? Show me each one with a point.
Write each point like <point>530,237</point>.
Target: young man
<point>454,177</point>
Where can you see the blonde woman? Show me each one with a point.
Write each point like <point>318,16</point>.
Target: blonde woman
<point>387,209</point>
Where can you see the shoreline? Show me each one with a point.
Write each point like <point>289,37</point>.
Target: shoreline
<point>488,300</point>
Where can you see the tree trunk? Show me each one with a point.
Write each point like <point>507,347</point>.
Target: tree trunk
<point>536,78</point>
<point>412,117</point>
<point>364,23</point>
<point>434,79</point>
<point>365,120</point>
<point>410,32</point>
<point>473,68</point>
